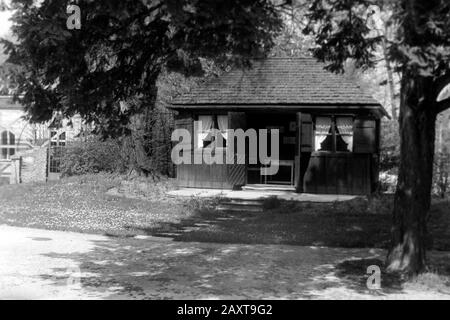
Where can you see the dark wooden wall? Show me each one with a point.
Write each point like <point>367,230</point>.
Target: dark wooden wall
<point>338,173</point>
<point>320,172</point>
<point>216,176</point>
<point>213,176</point>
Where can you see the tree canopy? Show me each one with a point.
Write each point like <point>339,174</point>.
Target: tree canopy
<point>121,49</point>
<point>420,45</point>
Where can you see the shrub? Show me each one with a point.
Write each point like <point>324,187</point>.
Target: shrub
<point>92,156</point>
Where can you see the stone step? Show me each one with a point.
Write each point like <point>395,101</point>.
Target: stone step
<point>268,187</point>
<point>239,208</point>
<point>255,202</point>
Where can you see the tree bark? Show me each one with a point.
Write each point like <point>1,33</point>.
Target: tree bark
<point>413,195</point>
<point>390,75</point>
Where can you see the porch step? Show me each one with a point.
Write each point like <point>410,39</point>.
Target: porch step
<point>236,205</point>
<point>268,187</point>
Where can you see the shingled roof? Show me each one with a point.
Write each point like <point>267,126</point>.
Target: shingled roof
<point>278,81</point>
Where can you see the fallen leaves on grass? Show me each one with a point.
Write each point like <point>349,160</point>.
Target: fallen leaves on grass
<point>81,204</point>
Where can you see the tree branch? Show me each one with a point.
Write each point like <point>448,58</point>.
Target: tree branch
<point>439,85</point>
<point>442,106</point>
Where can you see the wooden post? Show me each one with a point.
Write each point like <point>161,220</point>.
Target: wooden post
<point>16,167</point>
<point>304,144</point>
<point>237,173</point>
<point>298,150</point>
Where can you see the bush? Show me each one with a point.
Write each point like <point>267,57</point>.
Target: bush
<point>92,156</point>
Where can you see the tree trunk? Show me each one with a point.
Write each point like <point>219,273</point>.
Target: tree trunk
<point>390,78</point>
<point>413,194</point>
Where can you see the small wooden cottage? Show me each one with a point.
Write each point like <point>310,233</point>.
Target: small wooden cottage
<point>329,128</point>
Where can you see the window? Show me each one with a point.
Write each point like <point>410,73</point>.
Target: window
<point>344,134</point>
<point>323,134</point>
<point>57,140</point>
<point>8,141</point>
<point>334,134</point>
<point>57,143</point>
<point>207,137</point>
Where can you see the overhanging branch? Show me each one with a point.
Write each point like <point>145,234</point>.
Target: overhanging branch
<point>442,106</point>
<point>439,85</point>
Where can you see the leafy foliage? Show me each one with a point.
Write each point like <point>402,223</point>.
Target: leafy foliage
<point>92,155</point>
<point>292,42</point>
<point>341,32</point>
<point>420,45</point>
<point>122,48</point>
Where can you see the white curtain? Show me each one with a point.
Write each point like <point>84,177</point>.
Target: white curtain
<point>222,121</point>
<point>345,128</point>
<point>206,126</point>
<point>323,126</point>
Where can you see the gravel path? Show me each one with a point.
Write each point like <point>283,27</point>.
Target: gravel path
<point>43,264</point>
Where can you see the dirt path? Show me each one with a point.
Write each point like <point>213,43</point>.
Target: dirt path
<point>42,264</point>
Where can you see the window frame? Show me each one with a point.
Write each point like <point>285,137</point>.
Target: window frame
<point>8,146</point>
<point>333,133</point>
<point>56,140</point>
<point>215,120</point>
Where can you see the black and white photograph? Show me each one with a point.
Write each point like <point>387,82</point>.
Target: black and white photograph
<point>236,151</point>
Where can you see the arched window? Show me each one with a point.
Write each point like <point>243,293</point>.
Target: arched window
<point>7,144</point>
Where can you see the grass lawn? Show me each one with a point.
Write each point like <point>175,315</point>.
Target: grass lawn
<point>81,204</point>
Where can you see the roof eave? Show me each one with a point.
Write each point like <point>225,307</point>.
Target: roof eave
<point>375,106</point>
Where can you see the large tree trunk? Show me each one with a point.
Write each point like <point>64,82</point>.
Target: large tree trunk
<point>413,194</point>
<point>390,75</point>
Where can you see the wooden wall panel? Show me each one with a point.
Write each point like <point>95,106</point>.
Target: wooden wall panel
<point>203,176</point>
<point>307,133</point>
<point>338,174</point>
<point>365,136</point>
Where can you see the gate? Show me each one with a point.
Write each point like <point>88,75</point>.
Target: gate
<point>55,154</point>
<point>5,171</point>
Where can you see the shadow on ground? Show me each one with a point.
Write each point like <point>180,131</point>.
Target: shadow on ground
<point>157,268</point>
<point>299,228</point>
<point>273,255</point>
<point>307,225</point>
<point>152,269</point>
